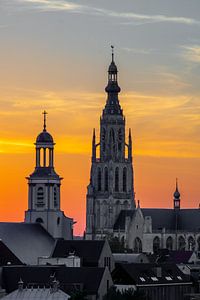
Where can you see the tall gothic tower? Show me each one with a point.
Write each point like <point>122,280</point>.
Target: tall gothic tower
<point>44,190</point>
<point>111,180</point>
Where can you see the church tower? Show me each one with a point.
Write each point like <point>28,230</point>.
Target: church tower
<point>111,179</point>
<point>44,190</point>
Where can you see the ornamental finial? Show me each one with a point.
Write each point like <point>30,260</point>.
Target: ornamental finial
<point>44,113</point>
<point>112,49</point>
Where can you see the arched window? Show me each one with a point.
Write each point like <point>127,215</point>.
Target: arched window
<point>99,179</point>
<point>137,248</point>
<point>98,214</point>
<point>181,243</point>
<point>198,244</point>
<point>106,179</point>
<point>117,179</point>
<point>124,180</point>
<point>112,136</point>
<point>39,220</point>
<point>55,196</point>
<point>191,243</point>
<point>58,221</point>
<point>40,197</point>
<point>120,135</point>
<point>169,243</point>
<point>105,214</point>
<point>126,205</point>
<point>156,244</point>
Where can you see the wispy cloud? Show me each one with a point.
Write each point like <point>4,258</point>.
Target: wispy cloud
<point>191,53</point>
<point>130,17</point>
<point>52,5</point>
<point>138,51</point>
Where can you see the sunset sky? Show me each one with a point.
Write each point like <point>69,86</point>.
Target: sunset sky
<point>54,55</point>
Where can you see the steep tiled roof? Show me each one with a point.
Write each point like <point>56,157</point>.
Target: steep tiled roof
<point>86,278</point>
<point>88,251</point>
<point>36,294</point>
<point>26,241</point>
<point>142,274</point>
<point>165,218</point>
<point>120,222</point>
<point>7,256</point>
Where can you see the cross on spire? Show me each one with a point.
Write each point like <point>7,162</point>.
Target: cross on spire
<point>44,113</point>
<point>112,49</point>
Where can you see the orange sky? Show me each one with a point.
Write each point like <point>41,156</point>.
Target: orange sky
<point>163,149</point>
<point>54,56</point>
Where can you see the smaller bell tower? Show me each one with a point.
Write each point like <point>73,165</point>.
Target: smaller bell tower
<point>44,190</point>
<point>177,200</point>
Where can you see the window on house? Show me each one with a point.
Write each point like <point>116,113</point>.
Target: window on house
<point>154,278</point>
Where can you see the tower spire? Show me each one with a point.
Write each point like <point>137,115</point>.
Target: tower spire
<point>44,126</point>
<point>176,184</point>
<point>129,146</point>
<point>112,89</point>
<point>112,49</point>
<point>177,196</point>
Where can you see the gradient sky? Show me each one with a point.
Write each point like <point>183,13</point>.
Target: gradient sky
<point>54,55</point>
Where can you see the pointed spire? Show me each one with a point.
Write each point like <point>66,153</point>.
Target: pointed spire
<point>94,146</point>
<point>138,204</point>
<point>177,197</point>
<point>112,89</point>
<point>44,126</point>
<point>94,135</point>
<point>112,49</point>
<point>176,184</point>
<point>129,135</point>
<point>129,146</point>
<point>176,193</point>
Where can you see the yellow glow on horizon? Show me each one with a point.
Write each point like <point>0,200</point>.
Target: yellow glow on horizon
<point>165,145</point>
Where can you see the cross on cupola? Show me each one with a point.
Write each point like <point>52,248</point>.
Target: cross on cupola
<point>44,147</point>
<point>45,114</point>
<point>44,189</point>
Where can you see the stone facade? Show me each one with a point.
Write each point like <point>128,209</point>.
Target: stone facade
<point>111,208</point>
<point>111,180</point>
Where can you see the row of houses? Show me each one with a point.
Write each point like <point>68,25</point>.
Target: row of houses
<point>35,266</point>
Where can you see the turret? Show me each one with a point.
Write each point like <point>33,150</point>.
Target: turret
<point>177,195</point>
<point>94,146</point>
<point>129,146</point>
